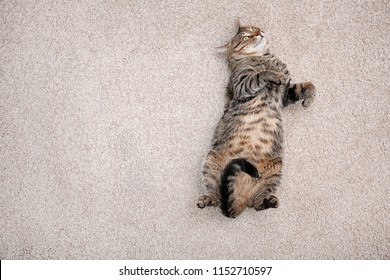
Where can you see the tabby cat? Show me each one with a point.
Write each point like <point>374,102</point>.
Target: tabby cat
<point>243,167</point>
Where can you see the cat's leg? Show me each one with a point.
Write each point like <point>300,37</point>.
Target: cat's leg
<point>247,86</point>
<point>211,181</point>
<point>258,81</point>
<point>263,193</point>
<point>273,77</point>
<point>296,92</point>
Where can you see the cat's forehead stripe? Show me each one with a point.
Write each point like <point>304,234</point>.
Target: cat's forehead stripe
<point>247,31</point>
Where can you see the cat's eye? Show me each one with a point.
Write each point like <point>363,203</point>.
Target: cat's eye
<point>245,38</point>
<point>254,29</point>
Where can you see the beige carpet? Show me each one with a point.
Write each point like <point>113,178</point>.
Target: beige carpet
<point>107,111</point>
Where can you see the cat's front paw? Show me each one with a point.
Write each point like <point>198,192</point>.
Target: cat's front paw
<point>282,79</point>
<point>207,200</point>
<point>308,94</point>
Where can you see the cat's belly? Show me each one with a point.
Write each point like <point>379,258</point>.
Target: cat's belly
<point>259,136</point>
<point>252,131</point>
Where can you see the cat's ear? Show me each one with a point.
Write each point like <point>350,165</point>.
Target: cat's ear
<point>238,23</point>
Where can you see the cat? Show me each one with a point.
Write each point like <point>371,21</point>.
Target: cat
<point>243,167</point>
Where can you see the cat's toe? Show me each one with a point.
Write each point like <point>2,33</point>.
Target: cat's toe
<point>272,201</point>
<point>201,204</point>
<point>309,93</point>
<point>307,101</point>
<point>283,79</point>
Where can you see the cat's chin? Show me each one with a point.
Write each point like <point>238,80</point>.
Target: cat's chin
<point>259,48</point>
<point>259,40</point>
<point>261,44</point>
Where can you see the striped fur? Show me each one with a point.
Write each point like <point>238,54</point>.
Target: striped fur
<point>249,136</point>
<point>228,180</point>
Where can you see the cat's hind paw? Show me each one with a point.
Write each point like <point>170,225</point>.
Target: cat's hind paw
<point>270,201</point>
<point>206,200</point>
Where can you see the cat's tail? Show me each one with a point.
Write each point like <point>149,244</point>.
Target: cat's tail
<point>229,209</point>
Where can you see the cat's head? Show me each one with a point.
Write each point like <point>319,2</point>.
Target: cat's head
<point>249,41</point>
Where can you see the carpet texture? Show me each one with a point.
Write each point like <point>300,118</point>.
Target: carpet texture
<point>108,110</point>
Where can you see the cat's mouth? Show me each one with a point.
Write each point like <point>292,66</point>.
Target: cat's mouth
<point>259,38</point>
